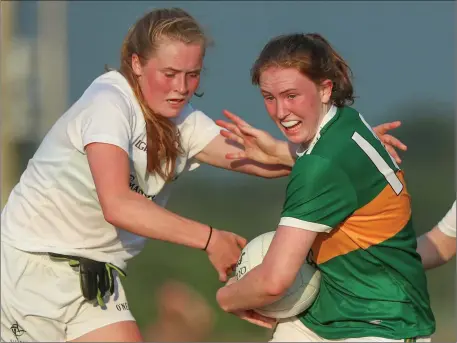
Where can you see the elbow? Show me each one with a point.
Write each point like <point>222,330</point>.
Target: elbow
<point>277,284</point>
<point>111,215</point>
<point>112,211</point>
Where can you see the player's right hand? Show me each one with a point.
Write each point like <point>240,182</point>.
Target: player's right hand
<point>258,145</point>
<point>223,250</point>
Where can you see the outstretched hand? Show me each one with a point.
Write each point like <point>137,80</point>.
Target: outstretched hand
<point>258,145</point>
<point>390,142</point>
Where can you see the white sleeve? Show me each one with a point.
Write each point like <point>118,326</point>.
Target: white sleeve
<point>197,131</point>
<point>447,224</point>
<point>204,131</point>
<point>108,119</point>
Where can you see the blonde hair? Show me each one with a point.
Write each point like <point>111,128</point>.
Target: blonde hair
<point>143,39</point>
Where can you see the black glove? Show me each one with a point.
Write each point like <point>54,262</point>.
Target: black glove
<point>96,278</point>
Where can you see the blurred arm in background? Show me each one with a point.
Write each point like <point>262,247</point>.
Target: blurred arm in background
<point>183,315</point>
<point>438,246</point>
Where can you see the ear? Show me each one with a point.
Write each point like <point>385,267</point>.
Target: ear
<point>326,91</point>
<point>136,65</point>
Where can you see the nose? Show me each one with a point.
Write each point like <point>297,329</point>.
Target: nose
<point>181,85</point>
<point>281,110</point>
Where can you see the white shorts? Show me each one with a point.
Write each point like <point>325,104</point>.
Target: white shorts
<point>41,300</point>
<point>293,330</point>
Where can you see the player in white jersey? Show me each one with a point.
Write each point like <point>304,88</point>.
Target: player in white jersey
<point>97,185</point>
<point>437,246</point>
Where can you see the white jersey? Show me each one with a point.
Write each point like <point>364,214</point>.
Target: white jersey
<point>447,224</point>
<point>55,208</point>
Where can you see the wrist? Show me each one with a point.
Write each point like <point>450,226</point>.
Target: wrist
<point>285,153</point>
<point>208,240</point>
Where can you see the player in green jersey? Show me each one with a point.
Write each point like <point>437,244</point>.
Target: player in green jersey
<point>347,208</point>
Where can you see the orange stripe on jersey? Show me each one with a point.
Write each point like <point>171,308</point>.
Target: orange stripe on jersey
<point>377,221</point>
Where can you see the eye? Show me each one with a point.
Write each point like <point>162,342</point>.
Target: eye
<point>291,96</point>
<point>169,75</point>
<point>268,98</point>
<point>194,75</point>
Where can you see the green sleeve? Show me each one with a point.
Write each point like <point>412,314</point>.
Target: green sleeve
<point>319,195</point>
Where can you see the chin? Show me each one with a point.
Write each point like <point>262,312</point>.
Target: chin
<point>171,112</point>
<point>296,138</point>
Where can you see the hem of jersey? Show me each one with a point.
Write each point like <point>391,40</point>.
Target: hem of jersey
<point>105,139</point>
<point>30,248</point>
<point>204,139</point>
<point>95,325</point>
<point>302,224</point>
<point>447,229</point>
<point>399,335</point>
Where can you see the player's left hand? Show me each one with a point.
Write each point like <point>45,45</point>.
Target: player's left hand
<point>250,315</point>
<point>390,142</point>
<point>255,318</point>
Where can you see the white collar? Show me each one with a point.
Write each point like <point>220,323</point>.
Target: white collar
<point>328,116</point>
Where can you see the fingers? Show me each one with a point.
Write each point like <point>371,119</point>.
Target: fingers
<point>225,125</point>
<point>258,316</point>
<point>393,153</point>
<point>260,323</point>
<point>222,276</point>
<point>236,155</point>
<point>241,241</point>
<point>383,128</point>
<point>395,142</point>
<point>229,126</point>
<point>232,137</point>
<point>233,117</point>
<point>249,131</point>
<point>255,318</point>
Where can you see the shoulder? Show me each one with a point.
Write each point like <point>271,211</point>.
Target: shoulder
<point>193,121</point>
<point>315,173</point>
<point>110,87</point>
<point>351,144</point>
<point>190,114</point>
<point>349,141</point>
<point>108,96</point>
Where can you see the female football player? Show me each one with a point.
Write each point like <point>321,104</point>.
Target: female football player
<point>347,209</point>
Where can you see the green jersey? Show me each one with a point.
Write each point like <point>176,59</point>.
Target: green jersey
<point>349,189</point>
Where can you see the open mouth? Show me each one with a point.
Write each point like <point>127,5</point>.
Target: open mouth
<point>291,126</point>
<point>175,101</point>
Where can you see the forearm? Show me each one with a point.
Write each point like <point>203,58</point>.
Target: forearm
<point>135,213</point>
<point>254,168</point>
<point>435,248</point>
<point>252,291</point>
<point>429,254</point>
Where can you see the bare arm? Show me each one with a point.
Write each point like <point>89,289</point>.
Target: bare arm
<point>269,281</point>
<point>435,248</point>
<point>215,154</point>
<point>131,211</point>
